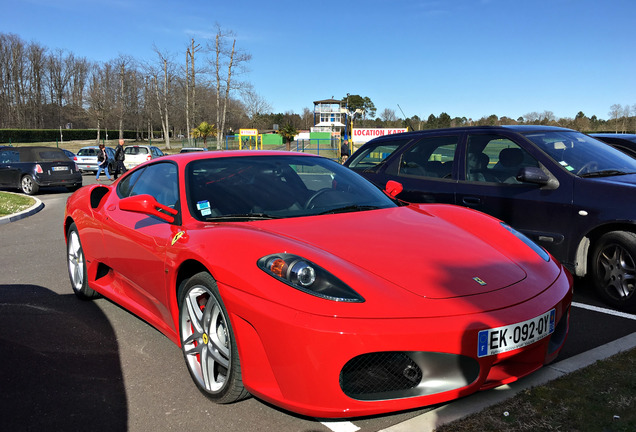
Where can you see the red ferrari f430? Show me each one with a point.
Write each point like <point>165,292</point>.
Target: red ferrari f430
<point>291,278</point>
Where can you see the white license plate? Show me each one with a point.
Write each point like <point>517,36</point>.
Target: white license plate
<point>515,336</point>
<point>60,168</point>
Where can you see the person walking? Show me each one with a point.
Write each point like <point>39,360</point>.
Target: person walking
<point>102,162</point>
<point>120,156</point>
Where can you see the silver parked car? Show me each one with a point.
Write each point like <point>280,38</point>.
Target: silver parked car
<point>86,159</point>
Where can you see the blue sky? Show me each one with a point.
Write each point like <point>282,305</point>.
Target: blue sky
<point>469,58</point>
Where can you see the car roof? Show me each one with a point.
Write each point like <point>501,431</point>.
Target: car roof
<point>614,135</point>
<point>32,153</point>
<point>513,128</point>
<point>187,157</point>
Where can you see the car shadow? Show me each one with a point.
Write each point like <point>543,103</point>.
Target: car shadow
<point>59,363</point>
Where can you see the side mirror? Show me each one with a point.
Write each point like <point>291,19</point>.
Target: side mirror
<point>393,188</point>
<point>148,205</point>
<point>536,175</point>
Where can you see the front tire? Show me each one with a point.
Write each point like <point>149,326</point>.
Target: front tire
<point>614,269</point>
<point>28,185</point>
<point>208,342</point>
<point>77,265</point>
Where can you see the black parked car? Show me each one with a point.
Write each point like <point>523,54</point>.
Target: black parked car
<point>624,142</point>
<point>567,191</point>
<point>29,168</point>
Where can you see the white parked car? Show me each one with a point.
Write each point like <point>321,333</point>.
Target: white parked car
<point>136,154</point>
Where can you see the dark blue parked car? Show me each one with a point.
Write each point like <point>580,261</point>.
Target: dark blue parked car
<point>29,168</point>
<point>568,192</point>
<point>624,142</point>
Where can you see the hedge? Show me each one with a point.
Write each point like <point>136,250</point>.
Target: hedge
<point>49,135</point>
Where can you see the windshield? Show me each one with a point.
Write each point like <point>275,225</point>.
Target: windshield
<point>583,155</point>
<point>267,187</point>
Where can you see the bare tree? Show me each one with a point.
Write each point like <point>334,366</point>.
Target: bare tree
<point>615,113</point>
<point>60,68</point>
<point>190,87</point>
<point>626,113</point>
<point>254,105</point>
<point>235,62</point>
<point>125,92</point>
<point>389,116</point>
<point>97,99</point>
<point>36,56</point>
<point>161,82</point>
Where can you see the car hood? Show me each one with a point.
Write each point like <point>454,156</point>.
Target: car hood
<point>416,250</point>
<point>627,180</point>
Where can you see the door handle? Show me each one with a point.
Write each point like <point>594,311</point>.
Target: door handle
<point>471,201</point>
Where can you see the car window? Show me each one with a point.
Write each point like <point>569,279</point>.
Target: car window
<point>276,186</point>
<point>375,154</point>
<point>583,155</point>
<point>495,159</point>
<point>135,150</point>
<point>87,152</point>
<point>124,189</point>
<point>9,156</point>
<point>430,157</point>
<point>158,180</point>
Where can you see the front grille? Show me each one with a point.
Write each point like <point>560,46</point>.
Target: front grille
<point>379,373</point>
<point>402,374</point>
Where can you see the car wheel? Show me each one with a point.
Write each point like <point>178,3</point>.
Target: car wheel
<point>208,342</point>
<point>77,265</point>
<point>614,269</point>
<point>28,185</point>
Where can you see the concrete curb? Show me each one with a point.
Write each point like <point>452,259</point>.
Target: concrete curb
<point>39,205</point>
<point>479,401</point>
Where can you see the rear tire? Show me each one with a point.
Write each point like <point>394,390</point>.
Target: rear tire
<point>76,264</point>
<point>614,269</point>
<point>28,185</point>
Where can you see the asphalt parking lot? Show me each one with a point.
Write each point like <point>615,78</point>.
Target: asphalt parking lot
<point>74,365</point>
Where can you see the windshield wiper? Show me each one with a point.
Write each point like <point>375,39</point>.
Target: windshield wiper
<point>605,173</point>
<point>241,217</point>
<point>350,209</point>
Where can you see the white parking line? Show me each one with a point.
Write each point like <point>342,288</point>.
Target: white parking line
<point>605,311</point>
<point>341,426</point>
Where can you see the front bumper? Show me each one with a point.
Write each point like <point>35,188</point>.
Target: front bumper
<point>347,367</point>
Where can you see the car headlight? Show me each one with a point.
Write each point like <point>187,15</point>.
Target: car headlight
<point>535,247</point>
<point>307,277</point>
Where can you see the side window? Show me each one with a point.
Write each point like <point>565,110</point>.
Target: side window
<point>124,189</point>
<point>376,154</point>
<point>159,180</point>
<point>495,159</point>
<point>430,157</point>
<point>9,156</point>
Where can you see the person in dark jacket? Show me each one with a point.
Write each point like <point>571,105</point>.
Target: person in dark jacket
<point>102,162</point>
<point>119,159</point>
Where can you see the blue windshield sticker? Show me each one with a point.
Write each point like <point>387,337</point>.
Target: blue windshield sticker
<point>203,205</point>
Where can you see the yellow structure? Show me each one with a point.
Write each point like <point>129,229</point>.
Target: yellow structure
<point>252,137</point>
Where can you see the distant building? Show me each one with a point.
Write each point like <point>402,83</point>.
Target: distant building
<point>330,116</point>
